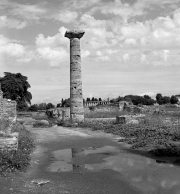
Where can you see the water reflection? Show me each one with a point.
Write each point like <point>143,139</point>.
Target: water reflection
<point>144,173</point>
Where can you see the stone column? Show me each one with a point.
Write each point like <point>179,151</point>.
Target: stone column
<point>76,97</point>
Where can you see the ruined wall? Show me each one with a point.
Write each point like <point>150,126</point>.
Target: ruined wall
<point>7,107</point>
<point>8,114</point>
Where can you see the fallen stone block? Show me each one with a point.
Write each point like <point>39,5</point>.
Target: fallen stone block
<point>136,122</point>
<point>120,120</point>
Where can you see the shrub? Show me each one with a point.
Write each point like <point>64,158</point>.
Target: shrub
<point>20,159</point>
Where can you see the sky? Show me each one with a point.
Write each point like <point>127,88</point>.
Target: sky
<point>129,46</point>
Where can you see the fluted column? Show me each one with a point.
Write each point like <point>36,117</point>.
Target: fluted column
<point>76,97</point>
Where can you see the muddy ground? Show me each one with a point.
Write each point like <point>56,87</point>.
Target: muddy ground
<point>81,161</point>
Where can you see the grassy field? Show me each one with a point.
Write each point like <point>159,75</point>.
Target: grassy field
<point>159,133</point>
<point>111,114</point>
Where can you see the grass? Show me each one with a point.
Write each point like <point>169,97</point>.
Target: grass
<point>110,114</point>
<point>20,159</point>
<point>155,133</point>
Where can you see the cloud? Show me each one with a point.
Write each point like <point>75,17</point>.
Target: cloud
<point>66,16</point>
<point>8,48</point>
<point>53,49</point>
<point>85,53</point>
<point>151,94</point>
<point>28,12</point>
<point>11,23</point>
<point>81,4</point>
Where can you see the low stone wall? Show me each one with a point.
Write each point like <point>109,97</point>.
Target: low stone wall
<point>9,142</point>
<point>102,108</point>
<point>8,116</point>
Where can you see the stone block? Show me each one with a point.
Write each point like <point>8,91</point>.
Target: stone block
<point>9,143</point>
<point>120,120</point>
<point>133,121</point>
<point>66,115</point>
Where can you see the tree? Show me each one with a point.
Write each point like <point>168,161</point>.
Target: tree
<point>66,103</point>
<point>173,99</point>
<point>49,105</point>
<point>100,99</point>
<point>120,99</point>
<point>158,98</point>
<point>42,106</point>
<point>33,108</point>
<point>147,97</point>
<point>58,105</point>
<point>166,99</point>
<point>88,99</point>
<point>15,87</point>
<point>92,99</point>
<point>62,101</point>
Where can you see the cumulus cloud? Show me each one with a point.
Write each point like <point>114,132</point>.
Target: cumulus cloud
<point>52,41</point>
<point>53,49</point>
<point>85,53</point>
<point>11,23</point>
<point>66,16</point>
<point>8,48</point>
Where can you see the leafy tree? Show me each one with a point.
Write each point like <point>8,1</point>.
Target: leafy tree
<point>15,87</point>
<point>58,105</point>
<point>42,106</point>
<point>100,99</point>
<point>147,97</point>
<point>120,99</point>
<point>49,105</point>
<point>158,96</point>
<point>166,99</point>
<point>62,101</point>
<point>93,99</point>
<point>88,99</point>
<point>66,103</point>
<point>33,108</point>
<point>173,99</point>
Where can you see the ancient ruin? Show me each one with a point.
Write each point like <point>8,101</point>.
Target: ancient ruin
<point>7,107</point>
<point>8,114</point>
<point>76,96</point>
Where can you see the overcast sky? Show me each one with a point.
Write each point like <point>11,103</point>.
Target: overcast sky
<point>129,46</point>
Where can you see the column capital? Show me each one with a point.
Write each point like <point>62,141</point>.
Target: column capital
<point>74,34</point>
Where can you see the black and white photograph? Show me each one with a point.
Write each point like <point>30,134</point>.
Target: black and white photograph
<point>89,97</point>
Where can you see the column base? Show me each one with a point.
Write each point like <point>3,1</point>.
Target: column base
<point>77,118</point>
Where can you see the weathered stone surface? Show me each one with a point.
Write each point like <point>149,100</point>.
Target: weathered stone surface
<point>76,105</point>
<point>74,33</point>
<point>8,143</point>
<point>120,120</point>
<point>134,122</point>
<point>65,115</point>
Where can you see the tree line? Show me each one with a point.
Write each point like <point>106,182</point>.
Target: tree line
<point>15,87</point>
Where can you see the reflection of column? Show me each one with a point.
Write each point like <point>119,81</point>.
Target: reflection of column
<point>1,101</point>
<point>75,153</point>
<point>76,105</point>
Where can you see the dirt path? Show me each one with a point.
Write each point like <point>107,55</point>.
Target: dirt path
<point>68,171</point>
<point>80,161</point>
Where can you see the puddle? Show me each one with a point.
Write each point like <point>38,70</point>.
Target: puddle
<point>148,175</point>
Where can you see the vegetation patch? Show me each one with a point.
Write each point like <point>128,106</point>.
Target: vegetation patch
<point>156,132</point>
<point>18,160</point>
